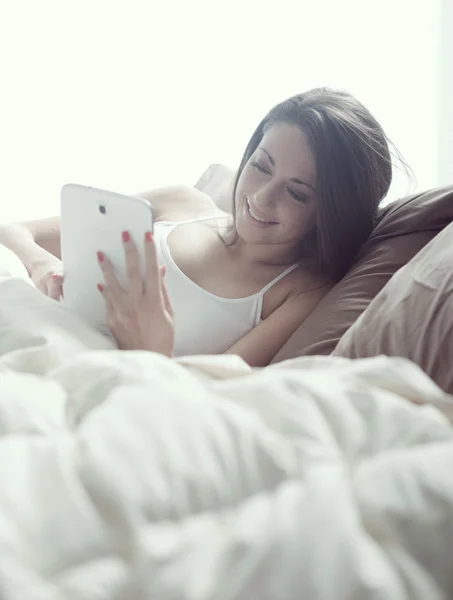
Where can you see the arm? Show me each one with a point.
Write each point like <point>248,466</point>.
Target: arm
<point>259,346</point>
<point>38,242</point>
<point>34,242</point>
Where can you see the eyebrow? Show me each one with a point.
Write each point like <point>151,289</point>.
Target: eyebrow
<point>294,179</point>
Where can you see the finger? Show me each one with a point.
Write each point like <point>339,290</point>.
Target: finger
<point>42,286</point>
<point>133,271</point>
<point>165,294</point>
<point>56,286</point>
<point>45,286</point>
<point>109,274</point>
<point>107,299</point>
<point>55,290</point>
<point>152,274</point>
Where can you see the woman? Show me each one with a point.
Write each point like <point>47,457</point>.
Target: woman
<point>304,200</point>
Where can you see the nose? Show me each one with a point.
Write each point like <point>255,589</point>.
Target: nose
<point>266,195</point>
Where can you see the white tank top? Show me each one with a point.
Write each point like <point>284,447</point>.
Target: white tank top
<point>205,323</point>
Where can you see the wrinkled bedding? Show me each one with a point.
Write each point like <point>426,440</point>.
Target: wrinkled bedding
<point>127,475</point>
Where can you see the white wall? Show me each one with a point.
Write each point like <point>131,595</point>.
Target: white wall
<point>135,94</point>
<point>446,96</point>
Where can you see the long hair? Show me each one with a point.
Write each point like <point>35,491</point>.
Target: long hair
<point>353,166</point>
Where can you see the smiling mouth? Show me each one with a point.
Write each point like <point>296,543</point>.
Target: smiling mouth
<point>255,217</point>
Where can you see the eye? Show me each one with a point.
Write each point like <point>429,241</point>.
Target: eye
<point>302,198</point>
<point>260,168</point>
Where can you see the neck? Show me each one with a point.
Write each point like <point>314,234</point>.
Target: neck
<point>257,254</point>
<point>264,254</point>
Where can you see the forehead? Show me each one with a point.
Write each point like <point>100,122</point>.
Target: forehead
<point>289,147</point>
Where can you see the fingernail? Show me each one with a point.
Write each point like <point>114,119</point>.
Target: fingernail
<point>126,236</point>
<point>56,276</point>
<point>100,287</point>
<point>100,256</point>
<point>163,270</point>
<point>148,236</point>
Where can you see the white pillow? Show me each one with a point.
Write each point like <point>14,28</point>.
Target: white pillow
<point>37,333</point>
<point>11,266</point>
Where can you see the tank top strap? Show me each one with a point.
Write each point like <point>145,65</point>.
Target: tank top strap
<point>277,279</point>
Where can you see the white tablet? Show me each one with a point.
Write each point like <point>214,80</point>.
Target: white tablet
<point>93,220</point>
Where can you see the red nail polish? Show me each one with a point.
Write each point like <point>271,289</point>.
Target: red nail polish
<point>100,256</point>
<point>100,287</point>
<point>148,236</point>
<point>126,236</point>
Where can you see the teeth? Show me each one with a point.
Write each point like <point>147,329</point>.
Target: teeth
<point>255,216</point>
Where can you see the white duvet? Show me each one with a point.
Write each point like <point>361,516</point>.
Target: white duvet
<point>129,475</point>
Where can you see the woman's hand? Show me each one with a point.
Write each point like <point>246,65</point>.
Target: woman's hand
<point>48,278</point>
<point>140,318</point>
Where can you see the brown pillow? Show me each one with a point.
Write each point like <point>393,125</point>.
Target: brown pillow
<point>413,315</point>
<point>404,228</point>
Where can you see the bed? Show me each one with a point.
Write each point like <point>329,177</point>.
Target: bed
<point>130,475</point>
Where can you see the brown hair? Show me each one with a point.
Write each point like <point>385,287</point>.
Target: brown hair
<point>354,171</point>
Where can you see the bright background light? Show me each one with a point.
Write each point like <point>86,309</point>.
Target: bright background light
<point>134,95</point>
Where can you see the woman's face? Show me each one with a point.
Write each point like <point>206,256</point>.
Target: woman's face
<point>276,196</point>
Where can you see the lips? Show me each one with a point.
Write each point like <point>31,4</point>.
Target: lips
<point>257,216</point>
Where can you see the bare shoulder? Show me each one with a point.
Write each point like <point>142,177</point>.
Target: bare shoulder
<point>177,203</point>
<point>283,313</point>
<point>301,289</point>
<point>305,282</point>
<point>306,289</point>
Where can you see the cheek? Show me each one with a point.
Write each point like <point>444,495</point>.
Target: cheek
<point>244,187</point>
<point>300,219</point>
<point>247,181</point>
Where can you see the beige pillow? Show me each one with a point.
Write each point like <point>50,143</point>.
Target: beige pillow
<point>412,317</point>
<point>217,182</point>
